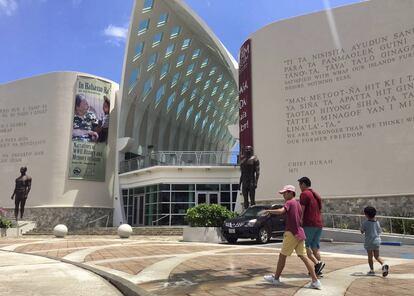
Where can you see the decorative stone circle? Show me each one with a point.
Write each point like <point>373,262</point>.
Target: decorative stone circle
<point>124,231</point>
<point>60,230</point>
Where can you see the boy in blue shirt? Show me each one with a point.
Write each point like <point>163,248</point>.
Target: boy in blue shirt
<point>372,230</point>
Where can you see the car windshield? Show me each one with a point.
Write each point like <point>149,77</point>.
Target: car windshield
<point>252,212</point>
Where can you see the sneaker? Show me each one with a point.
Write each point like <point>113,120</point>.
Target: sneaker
<point>314,285</point>
<point>371,273</point>
<point>319,267</point>
<point>270,278</point>
<point>385,269</point>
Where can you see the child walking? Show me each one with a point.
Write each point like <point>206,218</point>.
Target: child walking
<point>372,230</point>
<point>293,239</point>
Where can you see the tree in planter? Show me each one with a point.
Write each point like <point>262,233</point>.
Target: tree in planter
<point>208,215</point>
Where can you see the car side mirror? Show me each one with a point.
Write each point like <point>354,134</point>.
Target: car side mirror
<point>276,206</point>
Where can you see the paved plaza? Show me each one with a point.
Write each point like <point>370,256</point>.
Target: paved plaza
<point>167,266</point>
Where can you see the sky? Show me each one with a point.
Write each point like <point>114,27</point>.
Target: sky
<point>41,36</point>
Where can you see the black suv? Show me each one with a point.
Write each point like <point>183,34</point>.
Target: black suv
<point>252,224</point>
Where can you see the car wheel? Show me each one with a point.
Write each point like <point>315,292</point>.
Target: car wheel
<point>231,240</point>
<point>264,236</point>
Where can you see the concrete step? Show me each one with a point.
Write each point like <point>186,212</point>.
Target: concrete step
<point>151,231</point>
<point>22,228</point>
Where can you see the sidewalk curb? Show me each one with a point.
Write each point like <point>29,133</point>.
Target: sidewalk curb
<point>125,287</point>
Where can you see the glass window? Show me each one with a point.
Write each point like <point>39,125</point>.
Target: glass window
<point>180,208</point>
<point>150,209</point>
<point>185,86</point>
<point>164,208</point>
<point>133,79</point>
<point>139,49</point>
<point>189,111</point>
<point>211,126</point>
<point>170,101</point>
<point>220,78</point>
<point>197,118</point>
<point>143,26</point>
<point>139,190</point>
<point>221,97</point>
<point>164,196</point>
<point>196,53</point>
<point>214,91</point>
<point>147,87</point>
<point>210,104</point>
<point>175,32</point>
<point>225,187</point>
<point>190,69</point>
<point>180,107</point>
<point>207,84</point>
<point>152,60</point>
<point>160,93</point>
<point>180,60</point>
<point>165,187</point>
<point>183,187</point>
<point>201,102</point>
<point>212,71</point>
<point>186,43</point>
<point>178,220</point>
<point>204,63</point>
<point>170,49</point>
<point>151,198</point>
<point>207,187</point>
<point>162,20</point>
<point>148,5</point>
<point>227,206</point>
<point>199,77</point>
<point>215,113</point>
<point>204,123</point>
<point>180,197</point>
<point>164,70</point>
<point>234,195</point>
<point>175,79</point>
<point>156,40</point>
<point>193,94</point>
<point>226,84</point>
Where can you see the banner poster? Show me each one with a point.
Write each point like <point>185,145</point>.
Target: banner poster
<point>90,129</point>
<point>245,96</point>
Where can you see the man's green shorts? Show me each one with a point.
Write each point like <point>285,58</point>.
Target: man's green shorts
<point>313,237</point>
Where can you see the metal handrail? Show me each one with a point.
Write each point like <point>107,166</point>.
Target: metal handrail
<point>359,216</point>
<point>97,219</point>
<point>179,158</point>
<point>153,222</point>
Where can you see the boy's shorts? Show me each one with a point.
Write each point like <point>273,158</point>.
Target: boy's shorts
<point>313,237</point>
<point>290,243</point>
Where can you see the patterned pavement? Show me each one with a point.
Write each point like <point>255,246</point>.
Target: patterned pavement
<point>166,266</point>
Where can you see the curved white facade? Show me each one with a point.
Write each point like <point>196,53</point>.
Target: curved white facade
<point>179,88</point>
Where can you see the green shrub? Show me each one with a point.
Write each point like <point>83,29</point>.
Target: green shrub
<point>205,215</point>
<point>397,224</point>
<point>5,223</point>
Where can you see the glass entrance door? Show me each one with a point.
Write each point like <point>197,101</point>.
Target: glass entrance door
<point>139,213</point>
<point>207,198</point>
<point>134,210</point>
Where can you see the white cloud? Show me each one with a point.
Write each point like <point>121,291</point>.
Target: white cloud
<point>9,7</point>
<point>116,34</point>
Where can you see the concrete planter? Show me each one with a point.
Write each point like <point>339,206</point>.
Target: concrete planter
<point>203,234</point>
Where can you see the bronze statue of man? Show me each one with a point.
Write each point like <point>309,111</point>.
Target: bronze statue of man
<point>250,171</point>
<point>21,191</point>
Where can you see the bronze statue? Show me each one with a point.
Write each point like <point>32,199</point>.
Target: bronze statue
<point>21,191</point>
<point>250,171</point>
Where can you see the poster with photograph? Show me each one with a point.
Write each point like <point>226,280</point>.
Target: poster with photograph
<point>90,129</point>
